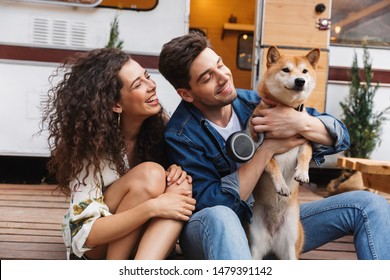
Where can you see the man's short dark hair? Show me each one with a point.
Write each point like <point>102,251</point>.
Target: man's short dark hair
<point>177,56</point>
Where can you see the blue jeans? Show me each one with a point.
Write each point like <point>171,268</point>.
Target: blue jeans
<point>216,233</point>
<point>363,214</point>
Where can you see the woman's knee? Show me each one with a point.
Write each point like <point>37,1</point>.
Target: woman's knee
<point>151,179</point>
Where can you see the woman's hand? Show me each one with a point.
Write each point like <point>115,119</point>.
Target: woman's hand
<point>174,205</point>
<point>175,174</point>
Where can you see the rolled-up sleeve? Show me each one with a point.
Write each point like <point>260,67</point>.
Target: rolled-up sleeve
<point>244,209</point>
<point>338,132</point>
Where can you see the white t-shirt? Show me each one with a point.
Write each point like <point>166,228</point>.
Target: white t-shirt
<point>232,126</point>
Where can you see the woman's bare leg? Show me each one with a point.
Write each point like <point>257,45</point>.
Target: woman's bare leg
<point>159,239</point>
<point>140,184</point>
<point>162,231</point>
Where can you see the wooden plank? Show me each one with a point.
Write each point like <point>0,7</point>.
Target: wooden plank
<point>32,255</point>
<point>36,232</point>
<point>33,215</point>
<point>346,162</point>
<point>374,167</point>
<point>30,238</point>
<point>365,165</point>
<point>28,187</point>
<point>32,191</point>
<point>319,255</point>
<point>283,16</point>
<point>376,181</point>
<point>347,238</point>
<point>35,204</point>
<point>26,246</point>
<point>239,27</point>
<point>26,225</point>
<point>31,198</point>
<point>338,246</point>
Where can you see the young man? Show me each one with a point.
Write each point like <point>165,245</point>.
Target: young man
<point>212,109</point>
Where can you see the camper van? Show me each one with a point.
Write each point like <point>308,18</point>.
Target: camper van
<point>36,36</point>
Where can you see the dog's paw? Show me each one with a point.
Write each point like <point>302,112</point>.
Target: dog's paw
<point>283,190</point>
<point>302,177</point>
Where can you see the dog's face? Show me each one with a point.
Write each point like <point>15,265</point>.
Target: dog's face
<point>289,79</point>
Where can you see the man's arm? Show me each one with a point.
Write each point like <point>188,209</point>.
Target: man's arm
<point>249,173</point>
<point>328,135</point>
<point>208,188</point>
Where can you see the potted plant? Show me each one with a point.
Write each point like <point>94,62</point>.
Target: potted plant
<point>114,41</point>
<point>363,122</point>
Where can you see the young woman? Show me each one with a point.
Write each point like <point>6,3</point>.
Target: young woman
<point>106,137</point>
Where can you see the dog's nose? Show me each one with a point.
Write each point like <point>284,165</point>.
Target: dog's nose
<point>299,82</point>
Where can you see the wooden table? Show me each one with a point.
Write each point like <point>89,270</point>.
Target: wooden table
<point>375,173</point>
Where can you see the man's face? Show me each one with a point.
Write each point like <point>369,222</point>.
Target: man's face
<point>211,82</point>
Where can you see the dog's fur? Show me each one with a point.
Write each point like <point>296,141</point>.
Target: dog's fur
<point>276,226</point>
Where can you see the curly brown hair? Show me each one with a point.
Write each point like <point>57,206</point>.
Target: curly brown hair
<point>83,129</point>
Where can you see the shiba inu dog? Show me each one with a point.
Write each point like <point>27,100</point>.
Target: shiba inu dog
<point>276,225</point>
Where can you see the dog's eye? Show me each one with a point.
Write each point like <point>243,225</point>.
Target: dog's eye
<point>285,70</point>
<point>304,71</point>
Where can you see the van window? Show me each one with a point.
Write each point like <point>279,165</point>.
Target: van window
<point>361,22</point>
<point>244,51</point>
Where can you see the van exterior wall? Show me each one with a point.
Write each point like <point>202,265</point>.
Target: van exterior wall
<point>24,82</point>
<point>142,32</point>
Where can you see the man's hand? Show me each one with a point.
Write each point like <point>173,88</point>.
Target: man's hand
<point>279,121</point>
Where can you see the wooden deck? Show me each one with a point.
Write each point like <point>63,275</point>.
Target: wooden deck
<point>31,215</point>
<point>30,222</point>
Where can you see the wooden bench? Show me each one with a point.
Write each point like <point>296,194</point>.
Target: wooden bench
<point>31,216</point>
<point>375,173</point>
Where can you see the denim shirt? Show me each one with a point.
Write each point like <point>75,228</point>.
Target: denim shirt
<point>200,150</point>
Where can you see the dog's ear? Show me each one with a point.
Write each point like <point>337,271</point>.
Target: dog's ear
<point>272,55</point>
<point>313,56</point>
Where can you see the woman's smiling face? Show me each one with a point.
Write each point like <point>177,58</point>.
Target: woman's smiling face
<point>138,94</point>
